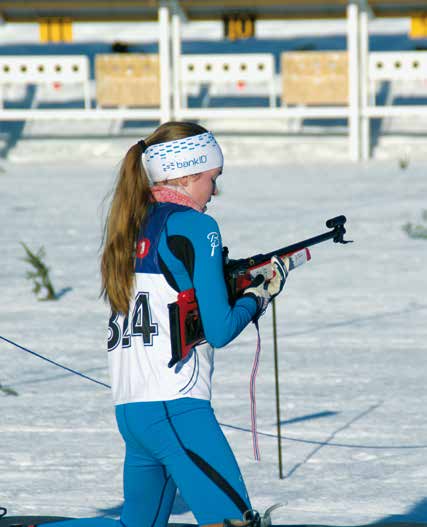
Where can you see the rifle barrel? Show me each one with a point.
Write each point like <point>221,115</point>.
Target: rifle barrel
<point>337,233</point>
<point>299,245</point>
<point>243,263</point>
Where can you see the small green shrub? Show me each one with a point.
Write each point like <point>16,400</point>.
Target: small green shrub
<point>417,231</point>
<point>7,391</point>
<point>404,162</point>
<point>40,274</point>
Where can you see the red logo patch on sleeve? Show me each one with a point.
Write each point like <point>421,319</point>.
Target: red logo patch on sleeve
<point>142,248</point>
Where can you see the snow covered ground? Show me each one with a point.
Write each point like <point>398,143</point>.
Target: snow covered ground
<point>352,341</point>
<point>351,324</point>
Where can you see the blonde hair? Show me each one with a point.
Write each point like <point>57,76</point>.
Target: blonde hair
<point>129,207</point>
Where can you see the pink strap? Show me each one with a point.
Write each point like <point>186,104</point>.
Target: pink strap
<point>253,398</point>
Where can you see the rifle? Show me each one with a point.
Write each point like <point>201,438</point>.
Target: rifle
<point>185,323</point>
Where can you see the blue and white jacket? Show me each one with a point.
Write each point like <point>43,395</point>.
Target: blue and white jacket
<point>178,248</point>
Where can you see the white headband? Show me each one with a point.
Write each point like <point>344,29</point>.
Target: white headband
<point>182,157</point>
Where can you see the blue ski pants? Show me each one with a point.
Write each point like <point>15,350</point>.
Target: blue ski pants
<point>170,445</point>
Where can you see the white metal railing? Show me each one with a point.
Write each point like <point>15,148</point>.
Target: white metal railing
<point>44,70</point>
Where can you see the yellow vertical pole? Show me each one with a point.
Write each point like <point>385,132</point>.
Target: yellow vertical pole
<point>67,30</point>
<point>55,30</point>
<point>44,31</point>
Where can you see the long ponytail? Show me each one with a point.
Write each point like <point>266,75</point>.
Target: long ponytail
<point>129,207</point>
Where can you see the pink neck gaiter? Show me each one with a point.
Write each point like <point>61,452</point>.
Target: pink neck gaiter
<point>169,194</point>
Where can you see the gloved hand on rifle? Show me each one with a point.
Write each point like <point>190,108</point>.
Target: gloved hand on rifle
<point>263,291</point>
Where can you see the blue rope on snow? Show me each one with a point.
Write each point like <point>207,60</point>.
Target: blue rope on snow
<point>55,363</point>
<point>295,439</point>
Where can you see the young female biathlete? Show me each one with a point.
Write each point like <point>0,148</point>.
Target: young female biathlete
<point>158,242</point>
